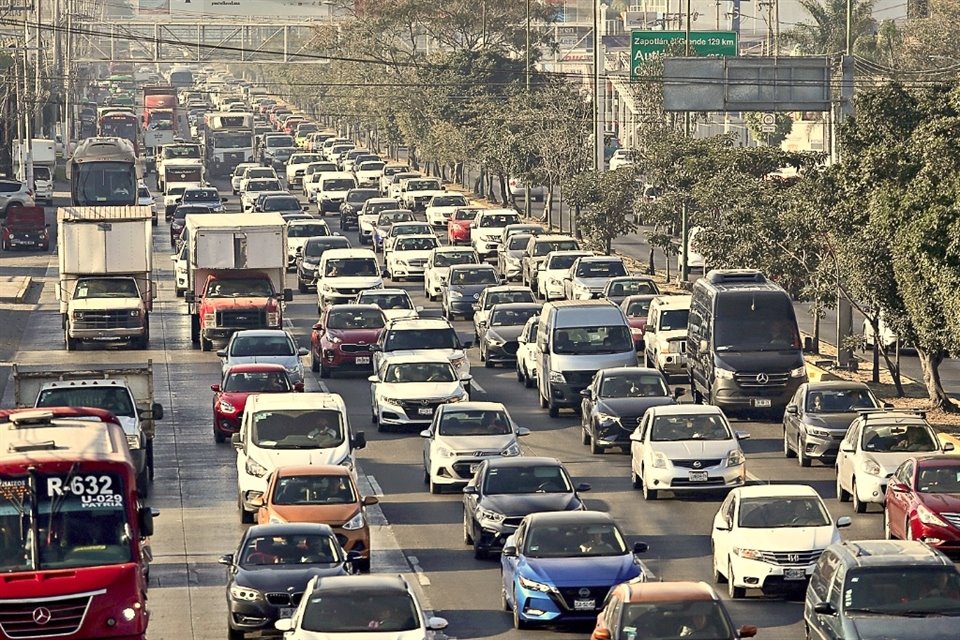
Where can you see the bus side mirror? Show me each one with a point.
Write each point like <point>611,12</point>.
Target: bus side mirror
<point>146,516</point>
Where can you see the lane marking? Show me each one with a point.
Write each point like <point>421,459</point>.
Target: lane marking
<point>476,385</point>
<point>375,486</point>
<point>421,574</point>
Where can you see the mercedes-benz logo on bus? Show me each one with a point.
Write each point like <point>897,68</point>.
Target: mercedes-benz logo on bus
<point>42,615</point>
<point>763,378</point>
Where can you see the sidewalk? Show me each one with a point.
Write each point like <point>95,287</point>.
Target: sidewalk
<point>14,288</point>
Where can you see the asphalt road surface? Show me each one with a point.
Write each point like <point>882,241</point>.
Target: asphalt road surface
<point>414,532</point>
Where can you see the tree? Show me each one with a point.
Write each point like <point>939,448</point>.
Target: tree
<point>827,34</point>
<point>783,124</point>
<point>605,200</point>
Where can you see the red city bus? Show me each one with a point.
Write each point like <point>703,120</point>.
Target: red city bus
<point>120,124</point>
<point>73,534</point>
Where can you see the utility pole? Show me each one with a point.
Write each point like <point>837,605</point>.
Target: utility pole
<point>526,196</point>
<point>684,209</point>
<point>844,308</point>
<point>597,93</point>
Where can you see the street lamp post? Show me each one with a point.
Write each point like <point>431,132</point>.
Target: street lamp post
<point>597,93</point>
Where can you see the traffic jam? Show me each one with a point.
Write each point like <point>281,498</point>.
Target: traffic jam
<point>357,402</point>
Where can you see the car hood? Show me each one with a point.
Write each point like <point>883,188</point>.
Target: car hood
<point>273,458</point>
<point>477,443</point>
<point>833,421</point>
<point>687,449</point>
<point>418,390</point>
<point>523,504</point>
<point>279,578</point>
<point>632,406</point>
<point>760,361</point>
<point>367,223</point>
<point>787,538</point>
<point>333,514</point>
<point>889,461</point>
<point>881,627</point>
<point>488,232</point>
<point>508,333</point>
<point>395,314</point>
<point>444,210</point>
<point>237,398</point>
<point>416,634</point>
<point>592,283</point>
<point>941,502</point>
<point>411,255</point>
<point>288,362</point>
<point>356,336</point>
<point>357,282</point>
<point>101,304</point>
<point>424,192</point>
<point>574,572</point>
<point>245,302</point>
<point>471,289</point>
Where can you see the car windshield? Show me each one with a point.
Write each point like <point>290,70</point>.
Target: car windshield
<point>182,211</point>
<point>142,192</point>
<point>465,214</point>
<point>386,300</point>
<point>259,173</point>
<point>386,219</point>
<point>409,229</point>
<point>638,308</point>
<point>886,438</point>
<point>420,372</point>
<point>301,548</point>
<point>351,267</point>
<point>631,287</point>
<point>570,540</point>
<point>314,489</point>
<point>311,230</point>
<point>280,204</point>
<point>448,201</point>
<point>278,141</point>
<point>337,184</point>
<point>247,346</point>
<point>498,220</point>
<point>633,385</point>
<point>303,158</point>
<point>474,422</point>
<point>584,340</point>
<point>674,319</point>
<point>518,242</point>
<point>421,339</point>
<point>239,288</point>
<point>755,323</point>
<point>511,317</point>
<point>591,269</point>
<point>189,151</point>
<point>370,165</point>
<point>423,185</point>
<point>903,590</point>
<point>113,399</point>
<point>374,208</point>
<point>263,185</point>
<point>361,613</point>
<point>673,620</point>
<point>355,319</point>
<point>316,249</point>
<point>839,400</point>
<point>256,382</point>
<point>507,297</point>
<point>297,429</point>
<point>449,258</point>
<point>782,511</point>
<point>362,195</point>
<point>416,244</point>
<point>200,195</point>
<point>543,247</point>
<point>106,288</point>
<point>562,262</point>
<point>689,427</point>
<point>533,479</point>
<point>473,276</point>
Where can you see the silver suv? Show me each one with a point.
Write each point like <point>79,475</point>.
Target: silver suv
<point>14,193</point>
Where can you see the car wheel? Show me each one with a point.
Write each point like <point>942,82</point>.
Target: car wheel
<point>235,634</point>
<point>218,436</point>
<point>467,538</point>
<point>205,345</point>
<point>648,493</point>
<point>552,409</point>
<point>584,435</point>
<point>518,622</point>
<point>143,482</point>
<point>635,479</point>
<point>504,603</point>
<point>543,401</point>
<point>842,495</point>
<point>246,517</point>
<point>314,361</point>
<point>434,487</point>
<point>324,371</point>
<point>301,287</point>
<point>718,577</point>
<point>528,380</point>
<point>479,553</point>
<point>787,451</point>
<point>520,377</point>
<point>362,565</point>
<point>858,506</point>
<point>734,592</point>
<point>887,531</point>
<point>802,458</point>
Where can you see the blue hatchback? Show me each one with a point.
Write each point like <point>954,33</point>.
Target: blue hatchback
<point>560,566</point>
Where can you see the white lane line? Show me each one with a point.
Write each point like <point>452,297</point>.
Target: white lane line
<point>476,385</point>
<point>387,556</point>
<point>323,386</point>
<point>421,574</point>
<point>375,486</point>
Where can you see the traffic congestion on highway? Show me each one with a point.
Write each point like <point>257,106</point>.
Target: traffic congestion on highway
<point>279,383</point>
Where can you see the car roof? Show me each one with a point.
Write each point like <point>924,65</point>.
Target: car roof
<point>642,591</point>
<point>313,400</point>
<point>570,517</point>
<point>776,491</point>
<point>473,405</point>
<point>679,300</point>
<point>867,553</point>
<point>262,333</point>
<point>354,306</point>
<point>618,370</point>
<point>523,461</point>
<point>553,237</point>
<point>345,252</point>
<point>632,276</point>
<point>502,288</point>
<point>289,528</point>
<point>309,220</point>
<point>410,358</point>
<point>286,471</point>
<point>939,461</point>
<point>255,367</point>
<point>594,258</point>
<point>569,252</point>
<point>685,409</point>
<point>519,306</point>
<point>363,583</point>
<point>452,248</point>
<point>482,265</point>
<point>382,292</point>
<point>416,236</point>
<point>837,385</point>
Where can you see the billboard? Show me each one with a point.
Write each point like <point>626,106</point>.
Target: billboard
<point>237,9</point>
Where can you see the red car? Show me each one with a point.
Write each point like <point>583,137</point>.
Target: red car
<point>230,396</point>
<point>923,503</point>
<point>458,225</point>
<point>636,309</point>
<point>343,336</point>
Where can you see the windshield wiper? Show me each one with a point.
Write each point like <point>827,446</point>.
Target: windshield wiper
<point>879,612</point>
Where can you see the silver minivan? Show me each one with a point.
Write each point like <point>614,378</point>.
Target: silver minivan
<point>575,339</point>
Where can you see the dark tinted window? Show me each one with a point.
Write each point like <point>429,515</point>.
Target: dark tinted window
<point>755,322</point>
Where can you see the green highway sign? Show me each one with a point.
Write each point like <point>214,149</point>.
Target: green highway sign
<point>645,45</point>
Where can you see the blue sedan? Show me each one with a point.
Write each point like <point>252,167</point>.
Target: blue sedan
<point>560,566</point>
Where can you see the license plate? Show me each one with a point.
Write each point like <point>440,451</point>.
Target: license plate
<point>794,574</point>
<point>698,476</point>
<point>761,402</point>
<point>287,612</point>
<point>425,411</point>
<point>584,605</point>
<point>363,359</point>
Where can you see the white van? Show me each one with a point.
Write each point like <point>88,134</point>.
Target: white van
<point>665,336</point>
<point>333,189</point>
<point>575,339</point>
<point>280,429</point>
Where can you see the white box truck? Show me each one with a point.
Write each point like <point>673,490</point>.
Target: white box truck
<point>44,154</point>
<point>235,274</point>
<point>106,262</point>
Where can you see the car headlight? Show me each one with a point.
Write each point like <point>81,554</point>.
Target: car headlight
<point>402,262</point>
<point>394,401</point>
<point>443,452</point>
<point>78,315</point>
<point>309,268</point>
<point>533,585</point>
<point>226,407</point>
<point>870,467</point>
<point>334,339</point>
<point>255,469</point>
<point>818,433</point>
<point>748,554</point>
<point>511,451</point>
<point>722,374</point>
<point>354,523</point>
<point>660,460</point>
<point>458,362</point>
<point>245,593</point>
<point>799,372</point>
<point>607,418</point>
<point>926,516</point>
<point>556,377</point>
<point>489,516</point>
<point>735,458</point>
<point>456,295</point>
<point>674,346</point>
<point>133,441</point>
<point>294,370</point>
<point>456,398</point>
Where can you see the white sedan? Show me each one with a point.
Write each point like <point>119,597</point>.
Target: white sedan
<point>770,537</point>
<point>408,256</point>
<point>441,207</point>
<point>461,436</point>
<point>407,389</point>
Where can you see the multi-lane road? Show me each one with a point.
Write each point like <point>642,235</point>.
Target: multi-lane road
<point>414,532</point>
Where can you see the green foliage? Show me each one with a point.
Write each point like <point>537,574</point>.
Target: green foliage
<point>605,200</point>
<point>827,33</point>
<point>783,124</point>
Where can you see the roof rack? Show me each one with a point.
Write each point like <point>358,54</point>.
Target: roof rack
<point>891,409</point>
<point>722,276</point>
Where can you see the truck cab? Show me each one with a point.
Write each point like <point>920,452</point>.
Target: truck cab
<point>108,308</point>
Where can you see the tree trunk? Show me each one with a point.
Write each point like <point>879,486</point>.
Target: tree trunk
<point>816,328</point>
<point>930,363</point>
<point>891,366</point>
<point>651,267</point>
<point>505,192</point>
<point>478,183</point>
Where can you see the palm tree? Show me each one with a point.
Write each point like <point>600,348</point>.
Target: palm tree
<point>828,33</point>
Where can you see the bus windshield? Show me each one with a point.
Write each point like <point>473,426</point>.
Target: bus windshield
<point>104,184</point>
<point>79,520</point>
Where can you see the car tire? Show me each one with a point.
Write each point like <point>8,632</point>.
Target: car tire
<point>205,345</point>
<point>518,623</point>
<point>504,603</point>
<point>802,458</point>
<point>735,593</point>
<point>143,482</point>
<point>218,437</point>
<point>302,288</point>
<point>479,553</point>
<point>552,409</point>
<point>246,517</point>
<point>787,451</point>
<point>842,495</point>
<point>235,634</point>
<point>520,377</point>
<point>635,479</point>
<point>718,577</point>
<point>314,362</point>
<point>595,448</point>
<point>467,538</point>
<point>584,435</point>
<point>434,487</point>
<point>858,505</point>
<point>324,371</point>
<point>648,493</point>
<point>362,565</point>
<point>543,401</point>
<point>528,380</point>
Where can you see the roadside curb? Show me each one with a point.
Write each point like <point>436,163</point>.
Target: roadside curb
<point>22,292</point>
<point>9,283</point>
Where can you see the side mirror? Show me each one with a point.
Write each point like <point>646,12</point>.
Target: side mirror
<point>436,624</point>
<point>215,387</point>
<point>288,295</point>
<point>257,501</point>
<point>824,608</point>
<point>226,559</point>
<point>283,624</point>
<point>471,489</point>
<point>724,525</point>
<point>899,487</point>
<point>369,501</point>
<point>679,391</point>
<point>376,347</point>
<point>146,515</point>
<point>302,351</point>
<point>373,379</point>
<point>747,631</point>
<point>509,551</point>
<point>236,441</point>
<point>847,449</point>
<point>222,353</point>
<point>467,344</point>
<point>223,199</point>
<point>425,433</point>
<point>584,486</point>
<point>522,431</point>
<point>742,435</point>
<point>298,387</point>
<point>157,410</point>
<point>793,410</point>
<point>948,447</point>
<point>359,440</point>
<point>384,274</point>
<point>640,547</point>
<point>844,521</point>
<point>475,306</point>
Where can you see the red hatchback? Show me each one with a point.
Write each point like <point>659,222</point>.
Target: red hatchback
<point>636,309</point>
<point>458,225</point>
<point>343,337</point>
<point>923,503</point>
<point>230,396</point>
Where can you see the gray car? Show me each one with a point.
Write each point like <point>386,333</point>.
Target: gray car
<point>501,340</point>
<point>510,260</point>
<point>617,289</point>
<point>14,193</point>
<point>817,417</point>
<point>264,346</point>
